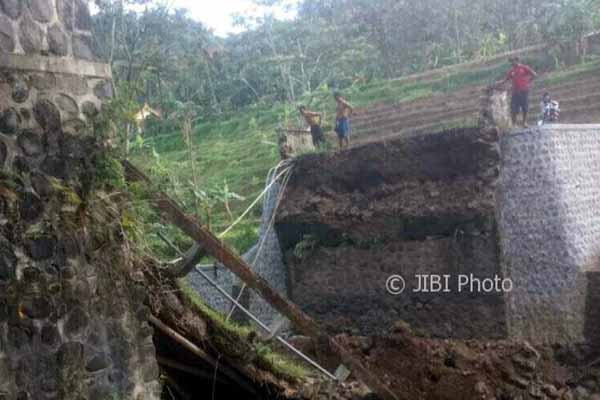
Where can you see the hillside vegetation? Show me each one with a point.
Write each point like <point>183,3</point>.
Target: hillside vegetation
<point>238,149</point>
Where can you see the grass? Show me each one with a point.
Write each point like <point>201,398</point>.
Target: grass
<point>231,333</point>
<point>239,149</point>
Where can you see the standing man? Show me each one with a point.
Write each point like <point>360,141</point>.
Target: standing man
<point>314,121</point>
<point>343,110</point>
<point>521,76</point>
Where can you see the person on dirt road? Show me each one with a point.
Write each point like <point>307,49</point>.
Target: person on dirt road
<point>343,110</point>
<point>314,121</point>
<point>521,76</point>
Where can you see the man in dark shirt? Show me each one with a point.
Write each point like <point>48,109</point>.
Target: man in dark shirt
<point>521,77</point>
<point>313,119</point>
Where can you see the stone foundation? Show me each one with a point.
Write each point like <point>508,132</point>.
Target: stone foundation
<point>549,217</point>
<point>72,317</point>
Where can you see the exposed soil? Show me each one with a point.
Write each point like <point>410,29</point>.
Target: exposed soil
<point>462,107</point>
<point>423,368</point>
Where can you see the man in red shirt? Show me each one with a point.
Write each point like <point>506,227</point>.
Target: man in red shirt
<point>521,76</point>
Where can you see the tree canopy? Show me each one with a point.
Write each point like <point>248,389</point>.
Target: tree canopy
<point>167,57</point>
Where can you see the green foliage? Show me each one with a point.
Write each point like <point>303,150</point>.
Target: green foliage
<point>306,247</point>
<point>116,120</point>
<point>331,44</point>
<point>108,171</point>
<point>237,148</point>
<point>227,333</point>
<point>570,19</point>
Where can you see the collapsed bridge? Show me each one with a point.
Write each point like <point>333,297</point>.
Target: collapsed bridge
<point>82,316</point>
<point>515,204</point>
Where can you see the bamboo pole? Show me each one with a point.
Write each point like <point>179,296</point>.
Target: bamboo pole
<point>167,362</point>
<point>191,347</point>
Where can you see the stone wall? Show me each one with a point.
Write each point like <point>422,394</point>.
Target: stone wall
<point>45,66</point>
<point>72,317</point>
<point>549,218</point>
<point>59,28</point>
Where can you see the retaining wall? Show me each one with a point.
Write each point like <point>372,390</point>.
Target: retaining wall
<point>549,218</point>
<point>72,314</point>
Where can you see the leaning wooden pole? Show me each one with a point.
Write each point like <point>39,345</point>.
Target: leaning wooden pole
<point>191,347</point>
<point>213,246</point>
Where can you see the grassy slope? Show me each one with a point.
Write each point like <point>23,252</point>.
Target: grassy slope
<point>241,148</point>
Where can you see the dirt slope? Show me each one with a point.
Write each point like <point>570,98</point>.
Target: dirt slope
<point>579,98</point>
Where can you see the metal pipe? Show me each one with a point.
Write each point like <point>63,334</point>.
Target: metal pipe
<point>266,328</point>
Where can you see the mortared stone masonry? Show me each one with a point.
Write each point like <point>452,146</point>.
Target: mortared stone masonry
<point>72,317</point>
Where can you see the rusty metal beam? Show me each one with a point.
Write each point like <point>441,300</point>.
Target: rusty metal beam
<point>193,256</point>
<point>171,211</point>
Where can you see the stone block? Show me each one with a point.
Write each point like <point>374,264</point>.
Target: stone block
<point>30,143</point>
<point>7,35</point>
<point>31,35</point>
<point>82,47</point>
<point>78,320</point>
<point>103,90</point>
<point>8,261</point>
<point>98,362</point>
<point>73,85</point>
<point>12,8</point>
<point>41,10</point>
<point>89,109</point>
<point>20,91</point>
<point>3,156</point>
<point>31,208</point>
<point>70,354</point>
<point>10,122</point>
<point>42,81</point>
<point>40,248</point>
<point>58,41</point>
<point>50,335</point>
<point>83,20</point>
<point>47,115</point>
<point>36,307</point>
<point>68,105</point>
<point>65,9</point>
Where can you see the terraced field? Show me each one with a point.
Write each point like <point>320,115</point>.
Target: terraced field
<point>577,89</point>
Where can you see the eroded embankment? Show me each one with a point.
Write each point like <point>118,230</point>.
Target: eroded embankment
<point>421,205</point>
<point>408,206</point>
<point>417,367</point>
